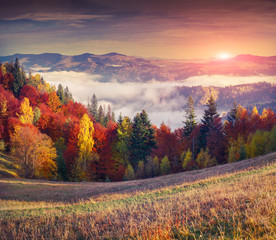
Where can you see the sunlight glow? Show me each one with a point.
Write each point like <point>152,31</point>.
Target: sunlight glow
<point>224,56</point>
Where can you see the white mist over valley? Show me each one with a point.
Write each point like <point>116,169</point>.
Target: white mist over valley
<point>159,99</point>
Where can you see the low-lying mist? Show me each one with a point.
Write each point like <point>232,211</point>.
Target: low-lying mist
<point>159,99</point>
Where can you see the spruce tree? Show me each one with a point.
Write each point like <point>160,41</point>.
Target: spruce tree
<point>19,78</point>
<point>67,94</point>
<point>190,123</point>
<point>94,106</point>
<point>142,138</point>
<point>231,116</point>
<point>208,117</point>
<point>60,93</point>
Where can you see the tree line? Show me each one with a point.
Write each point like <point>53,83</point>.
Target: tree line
<point>54,137</point>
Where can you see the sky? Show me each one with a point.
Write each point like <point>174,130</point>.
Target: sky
<point>183,29</point>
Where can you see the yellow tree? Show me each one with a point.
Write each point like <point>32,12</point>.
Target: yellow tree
<point>34,152</point>
<point>26,112</point>
<point>54,102</point>
<point>85,144</point>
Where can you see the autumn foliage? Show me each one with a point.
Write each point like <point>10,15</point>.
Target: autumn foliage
<point>54,137</point>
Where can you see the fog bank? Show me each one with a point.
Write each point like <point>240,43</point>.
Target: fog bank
<point>159,99</point>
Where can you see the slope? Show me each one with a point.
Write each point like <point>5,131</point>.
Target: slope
<point>8,167</point>
<point>217,203</point>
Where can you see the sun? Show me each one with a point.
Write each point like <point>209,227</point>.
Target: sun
<point>224,56</point>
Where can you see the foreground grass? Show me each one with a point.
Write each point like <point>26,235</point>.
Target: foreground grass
<point>232,206</point>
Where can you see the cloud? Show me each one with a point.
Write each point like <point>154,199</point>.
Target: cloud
<point>160,99</point>
<point>56,16</point>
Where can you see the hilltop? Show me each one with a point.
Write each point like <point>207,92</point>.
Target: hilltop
<point>135,69</point>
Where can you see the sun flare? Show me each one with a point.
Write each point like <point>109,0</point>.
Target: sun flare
<point>224,56</point>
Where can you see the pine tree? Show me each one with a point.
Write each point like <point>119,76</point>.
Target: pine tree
<point>94,106</point>
<point>142,138</point>
<point>208,117</point>
<point>60,93</point>
<point>190,123</point>
<point>62,169</point>
<point>67,94</point>
<point>232,115</point>
<point>100,116</point>
<point>19,78</point>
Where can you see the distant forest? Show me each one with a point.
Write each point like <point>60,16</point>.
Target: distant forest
<point>262,95</point>
<point>53,137</point>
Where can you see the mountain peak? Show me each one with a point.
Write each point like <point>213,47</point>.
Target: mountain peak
<point>113,54</point>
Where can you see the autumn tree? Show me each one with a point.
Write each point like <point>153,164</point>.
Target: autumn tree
<point>85,145</point>
<point>129,173</point>
<point>26,114</point>
<point>152,167</point>
<point>187,159</point>
<point>34,152</point>
<point>257,143</point>
<point>190,116</point>
<point>37,115</point>
<point>204,159</point>
<point>166,143</point>
<point>32,94</point>
<point>140,173</point>
<point>237,150</point>
<point>165,167</point>
<point>54,102</point>
<point>122,146</point>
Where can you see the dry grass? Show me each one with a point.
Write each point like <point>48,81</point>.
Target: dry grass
<point>239,205</point>
<point>41,190</point>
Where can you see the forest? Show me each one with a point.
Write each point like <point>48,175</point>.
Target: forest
<point>55,138</point>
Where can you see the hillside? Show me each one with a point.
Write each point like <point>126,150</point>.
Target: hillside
<point>133,69</point>
<point>8,167</point>
<point>222,202</point>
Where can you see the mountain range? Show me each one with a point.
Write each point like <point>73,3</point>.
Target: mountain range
<point>122,68</point>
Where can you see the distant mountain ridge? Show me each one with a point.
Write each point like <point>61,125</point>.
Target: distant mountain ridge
<point>115,66</point>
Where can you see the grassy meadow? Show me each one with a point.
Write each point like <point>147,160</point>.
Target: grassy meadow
<point>231,201</point>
